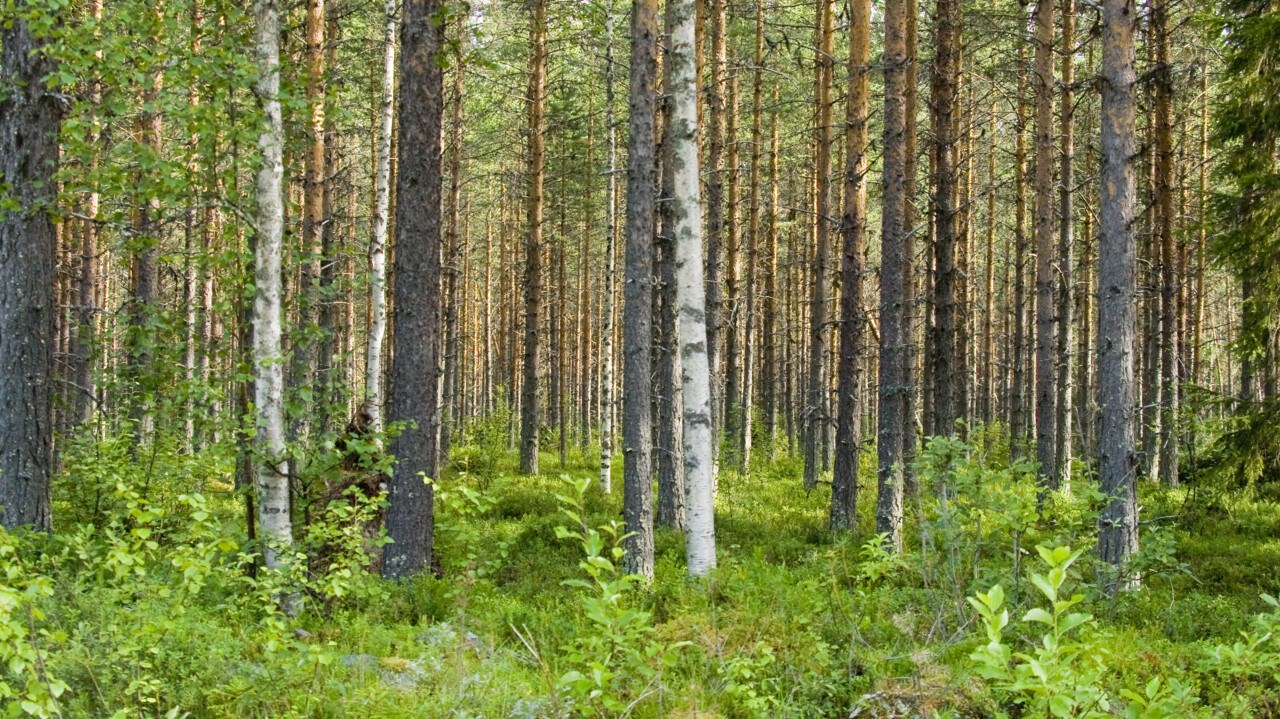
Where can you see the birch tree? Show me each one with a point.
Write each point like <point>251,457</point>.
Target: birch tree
<point>378,241</point>
<point>271,465</point>
<point>611,232</point>
<point>700,547</point>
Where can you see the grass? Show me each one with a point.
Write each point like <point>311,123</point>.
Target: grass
<point>794,623</point>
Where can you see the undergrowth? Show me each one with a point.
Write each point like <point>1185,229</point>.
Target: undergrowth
<point>150,601</point>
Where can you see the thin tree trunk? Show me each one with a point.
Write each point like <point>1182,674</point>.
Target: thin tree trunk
<point>815,404</point>
<point>893,280</point>
<point>989,393</point>
<point>1163,215</point>
<point>946,348</point>
<point>911,429</point>
<point>637,334</point>
<point>1046,270</point>
<point>698,438</point>
<point>844,477</point>
<point>455,247</point>
<point>1117,291</point>
<point>378,240</point>
<point>770,376</point>
<point>86,336</point>
<point>667,374</point>
<point>753,245</point>
<point>306,365</point>
<point>611,233</point>
<point>271,468</point>
<point>1066,249</point>
<point>533,240</point>
<point>1020,400</point>
<point>716,118</point>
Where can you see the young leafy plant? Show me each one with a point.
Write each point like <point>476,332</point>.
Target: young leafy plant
<point>616,664</point>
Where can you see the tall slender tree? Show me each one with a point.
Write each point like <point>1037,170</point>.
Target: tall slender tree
<point>637,333</point>
<point>1163,215</point>
<point>1066,247</point>
<point>378,238</point>
<point>815,402</point>
<point>271,470</point>
<point>611,233</point>
<point>533,238</point>
<point>1117,289</point>
<point>30,118</point>
<point>946,349</point>
<point>414,390</point>
<point>853,226</point>
<point>893,280</point>
<point>700,549</point>
<point>1046,270</point>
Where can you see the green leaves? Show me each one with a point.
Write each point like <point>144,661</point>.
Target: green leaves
<point>616,658</point>
<point>1061,677</point>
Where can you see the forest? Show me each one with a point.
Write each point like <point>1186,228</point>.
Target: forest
<point>705,359</point>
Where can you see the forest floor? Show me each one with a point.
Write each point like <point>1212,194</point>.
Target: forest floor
<point>795,622</point>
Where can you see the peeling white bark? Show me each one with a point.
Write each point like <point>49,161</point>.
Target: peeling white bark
<point>271,464</point>
<point>700,540</point>
<point>378,243</point>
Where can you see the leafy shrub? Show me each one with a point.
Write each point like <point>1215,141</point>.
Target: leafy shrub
<point>617,662</point>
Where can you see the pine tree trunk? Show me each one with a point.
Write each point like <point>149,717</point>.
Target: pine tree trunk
<point>455,247</point>
<point>30,119</point>
<point>533,240</point>
<point>306,364</point>
<point>416,332</point>
<point>815,404</point>
<point>945,348</point>
<point>1163,215</point>
<point>770,378</point>
<point>637,334</point>
<point>145,256</point>
<point>911,427</point>
<point>893,280</point>
<point>844,477</point>
<point>1046,270</point>
<point>717,121</point>
<point>1019,410</point>
<point>1117,291</point>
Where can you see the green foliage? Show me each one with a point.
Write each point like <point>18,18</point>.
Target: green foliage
<point>340,539</point>
<point>466,557</point>
<point>26,685</point>
<point>1250,667</point>
<point>1064,675</point>
<point>617,663</point>
<point>879,561</point>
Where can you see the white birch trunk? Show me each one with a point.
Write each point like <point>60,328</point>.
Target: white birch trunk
<point>270,463</point>
<point>700,539</point>
<point>611,214</point>
<point>378,243</point>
